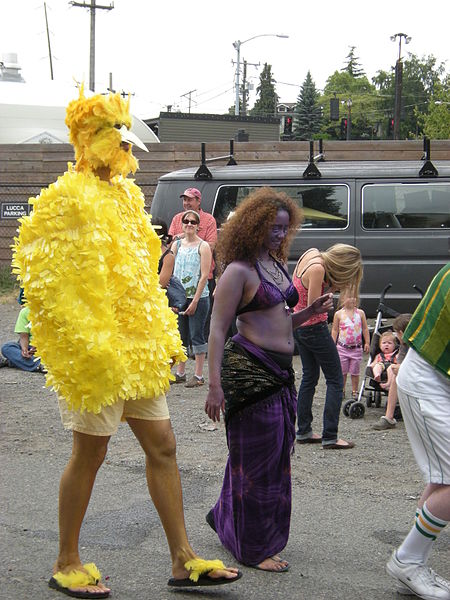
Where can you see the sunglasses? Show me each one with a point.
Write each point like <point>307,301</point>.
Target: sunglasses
<point>189,222</point>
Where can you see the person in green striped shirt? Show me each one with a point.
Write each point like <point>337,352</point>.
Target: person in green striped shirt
<point>423,384</point>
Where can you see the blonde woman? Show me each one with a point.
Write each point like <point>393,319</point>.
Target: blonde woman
<point>337,269</point>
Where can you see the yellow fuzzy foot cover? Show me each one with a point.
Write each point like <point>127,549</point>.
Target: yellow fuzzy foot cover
<point>67,582</point>
<point>198,576</point>
<point>199,566</point>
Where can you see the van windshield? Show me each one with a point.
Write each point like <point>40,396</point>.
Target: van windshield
<point>323,206</point>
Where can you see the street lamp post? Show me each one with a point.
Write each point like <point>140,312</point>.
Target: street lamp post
<point>398,81</point>
<point>237,45</point>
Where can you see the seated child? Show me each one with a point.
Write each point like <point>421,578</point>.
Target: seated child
<point>21,354</point>
<point>387,421</point>
<point>386,357</point>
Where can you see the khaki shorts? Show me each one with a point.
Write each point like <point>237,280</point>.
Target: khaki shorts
<point>107,421</point>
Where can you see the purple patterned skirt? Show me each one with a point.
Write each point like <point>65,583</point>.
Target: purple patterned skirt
<point>252,514</point>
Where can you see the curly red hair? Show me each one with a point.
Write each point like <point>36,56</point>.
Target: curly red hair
<point>243,235</point>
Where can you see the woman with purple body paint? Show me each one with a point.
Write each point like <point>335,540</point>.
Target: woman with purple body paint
<point>251,379</point>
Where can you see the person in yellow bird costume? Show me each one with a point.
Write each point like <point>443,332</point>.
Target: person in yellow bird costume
<point>87,257</point>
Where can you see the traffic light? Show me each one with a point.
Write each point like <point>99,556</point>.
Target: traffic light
<point>288,125</point>
<point>343,129</point>
<point>334,109</point>
<point>390,127</point>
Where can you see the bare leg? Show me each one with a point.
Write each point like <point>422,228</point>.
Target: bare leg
<point>392,396</point>
<point>377,370</point>
<point>163,479</point>
<point>77,481</point>
<point>345,383</point>
<point>199,362</point>
<point>181,368</point>
<point>437,497</point>
<point>355,384</point>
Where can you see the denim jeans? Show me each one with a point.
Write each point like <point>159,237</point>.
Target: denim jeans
<point>192,328</point>
<point>318,351</point>
<point>13,352</point>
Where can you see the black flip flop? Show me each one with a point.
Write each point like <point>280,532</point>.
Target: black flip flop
<point>202,581</point>
<point>210,520</point>
<point>74,594</point>
<point>310,440</point>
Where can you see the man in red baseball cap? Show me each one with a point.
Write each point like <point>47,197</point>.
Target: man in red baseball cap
<point>192,198</point>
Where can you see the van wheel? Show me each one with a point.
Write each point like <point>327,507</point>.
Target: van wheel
<point>346,407</point>
<point>356,410</point>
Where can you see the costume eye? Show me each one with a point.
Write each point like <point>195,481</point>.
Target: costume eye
<point>117,126</point>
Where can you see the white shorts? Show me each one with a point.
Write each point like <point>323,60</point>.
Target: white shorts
<point>426,413</point>
<point>106,422</point>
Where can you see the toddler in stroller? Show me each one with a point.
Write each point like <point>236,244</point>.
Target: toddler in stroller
<point>389,419</point>
<point>386,357</point>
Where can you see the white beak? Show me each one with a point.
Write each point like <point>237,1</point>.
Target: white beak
<point>131,138</point>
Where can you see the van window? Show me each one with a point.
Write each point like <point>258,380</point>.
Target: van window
<point>405,205</point>
<point>324,206</point>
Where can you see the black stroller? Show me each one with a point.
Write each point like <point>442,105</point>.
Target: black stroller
<point>371,389</point>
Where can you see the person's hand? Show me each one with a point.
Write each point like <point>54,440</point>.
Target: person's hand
<point>322,304</point>
<point>366,348</point>
<point>27,353</point>
<point>190,310</point>
<point>215,402</point>
<point>394,368</point>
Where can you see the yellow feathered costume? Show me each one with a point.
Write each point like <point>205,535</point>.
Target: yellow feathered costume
<point>87,257</point>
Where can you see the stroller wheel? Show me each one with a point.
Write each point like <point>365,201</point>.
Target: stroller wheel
<point>356,410</point>
<point>377,398</point>
<point>346,407</point>
<point>369,399</point>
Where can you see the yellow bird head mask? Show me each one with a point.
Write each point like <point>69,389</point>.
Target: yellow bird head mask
<point>99,131</point>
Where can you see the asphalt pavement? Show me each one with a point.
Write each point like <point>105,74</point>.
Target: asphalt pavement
<point>350,508</point>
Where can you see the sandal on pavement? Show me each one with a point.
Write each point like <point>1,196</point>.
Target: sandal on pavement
<point>65,582</point>
<point>198,575</point>
<point>337,446</point>
<point>310,440</point>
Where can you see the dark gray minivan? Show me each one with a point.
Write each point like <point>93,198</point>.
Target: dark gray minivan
<point>397,213</point>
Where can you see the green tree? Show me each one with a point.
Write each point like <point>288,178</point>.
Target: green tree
<point>308,112</point>
<point>421,76</point>
<point>363,111</point>
<point>266,103</point>
<point>352,66</point>
<point>435,124</point>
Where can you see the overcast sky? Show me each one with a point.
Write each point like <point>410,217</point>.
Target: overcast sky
<point>161,51</point>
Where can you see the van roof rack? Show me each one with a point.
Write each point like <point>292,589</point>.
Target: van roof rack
<point>203,172</point>
<point>311,171</point>
<point>428,169</point>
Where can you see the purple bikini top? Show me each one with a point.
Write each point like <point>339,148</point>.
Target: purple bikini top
<point>268,294</point>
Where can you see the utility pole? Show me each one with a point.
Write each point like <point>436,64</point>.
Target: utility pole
<point>349,120</point>
<point>398,82</point>
<point>244,85</point>
<point>188,94</point>
<point>92,7</point>
<point>48,42</point>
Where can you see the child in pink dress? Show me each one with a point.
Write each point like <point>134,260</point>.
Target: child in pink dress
<point>349,330</point>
